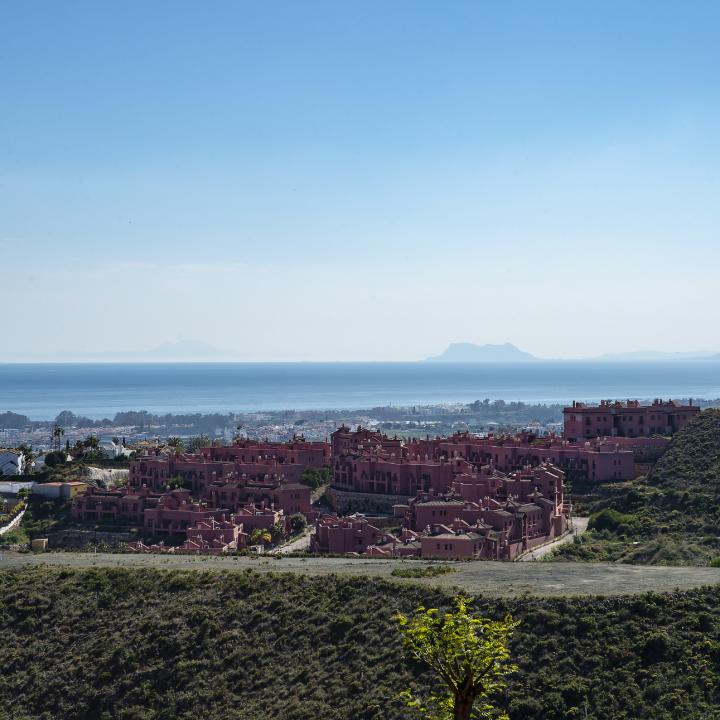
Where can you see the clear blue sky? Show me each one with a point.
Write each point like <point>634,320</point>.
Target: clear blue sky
<point>370,180</point>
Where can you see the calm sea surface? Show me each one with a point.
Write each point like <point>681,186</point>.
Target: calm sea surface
<point>99,390</point>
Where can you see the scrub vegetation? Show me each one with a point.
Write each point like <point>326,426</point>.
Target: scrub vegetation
<point>131,644</point>
<point>669,517</point>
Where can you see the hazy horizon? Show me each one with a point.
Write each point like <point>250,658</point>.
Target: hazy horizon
<point>192,352</point>
<point>364,182</point>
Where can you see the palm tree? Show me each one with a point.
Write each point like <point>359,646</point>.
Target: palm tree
<point>58,432</point>
<point>176,442</point>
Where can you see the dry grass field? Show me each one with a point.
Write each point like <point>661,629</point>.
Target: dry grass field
<point>496,579</point>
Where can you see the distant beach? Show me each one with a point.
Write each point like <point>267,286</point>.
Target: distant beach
<point>99,390</point>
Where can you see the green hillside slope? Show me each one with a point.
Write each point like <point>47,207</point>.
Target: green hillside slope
<point>169,645</point>
<point>670,516</point>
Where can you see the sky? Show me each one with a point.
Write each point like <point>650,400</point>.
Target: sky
<point>358,180</point>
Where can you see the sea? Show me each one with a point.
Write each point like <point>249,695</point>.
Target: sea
<point>99,390</point>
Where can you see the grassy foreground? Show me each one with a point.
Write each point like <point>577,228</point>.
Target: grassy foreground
<point>139,644</point>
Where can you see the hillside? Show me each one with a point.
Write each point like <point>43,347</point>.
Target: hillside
<point>672,516</point>
<point>157,645</point>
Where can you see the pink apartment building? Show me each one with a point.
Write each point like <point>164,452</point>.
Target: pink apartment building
<point>626,419</point>
<point>339,535</point>
<point>214,537</point>
<point>296,452</point>
<point>176,511</point>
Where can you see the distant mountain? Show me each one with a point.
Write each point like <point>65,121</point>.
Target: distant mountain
<point>178,351</point>
<point>185,349</point>
<point>469,352</point>
<point>650,355</point>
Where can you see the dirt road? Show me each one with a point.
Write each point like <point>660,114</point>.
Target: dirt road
<point>579,527</point>
<point>489,578</point>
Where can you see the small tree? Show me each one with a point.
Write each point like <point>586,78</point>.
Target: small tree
<point>29,456</point>
<point>469,654</point>
<point>178,482</point>
<point>298,523</point>
<point>277,532</point>
<point>316,477</point>
<point>260,536</point>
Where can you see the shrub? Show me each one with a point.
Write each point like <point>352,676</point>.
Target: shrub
<point>609,519</point>
<point>316,477</point>
<point>56,457</point>
<point>421,572</point>
<point>298,523</point>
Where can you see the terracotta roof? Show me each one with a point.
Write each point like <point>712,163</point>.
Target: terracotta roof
<point>453,536</point>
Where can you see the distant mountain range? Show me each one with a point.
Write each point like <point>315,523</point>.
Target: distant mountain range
<point>649,355</point>
<point>178,351</point>
<point>470,352</point>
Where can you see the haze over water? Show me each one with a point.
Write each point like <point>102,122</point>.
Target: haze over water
<point>41,391</point>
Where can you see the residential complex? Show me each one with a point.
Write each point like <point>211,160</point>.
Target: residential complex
<point>367,461</point>
<point>484,514</point>
<point>461,496</point>
<point>456,504</point>
<point>250,485</point>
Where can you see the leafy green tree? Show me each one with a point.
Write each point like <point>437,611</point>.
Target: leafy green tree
<point>298,523</point>
<point>201,441</point>
<point>29,455</point>
<point>178,482</point>
<point>259,536</point>
<point>277,532</point>
<point>56,457</point>
<point>470,656</point>
<point>316,477</point>
<point>176,443</point>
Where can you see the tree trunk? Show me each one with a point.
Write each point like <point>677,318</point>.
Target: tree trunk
<point>463,706</point>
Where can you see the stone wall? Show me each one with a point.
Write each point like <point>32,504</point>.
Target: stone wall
<point>345,502</point>
<point>81,538</point>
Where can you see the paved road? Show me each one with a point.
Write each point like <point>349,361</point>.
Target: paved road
<point>579,527</point>
<point>488,578</point>
<point>298,545</point>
